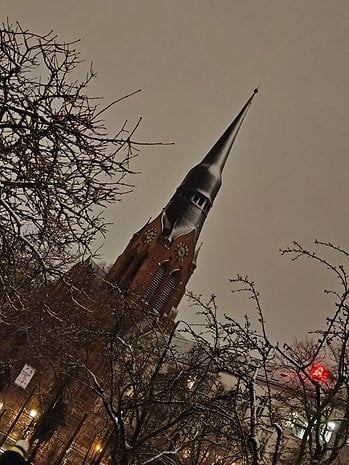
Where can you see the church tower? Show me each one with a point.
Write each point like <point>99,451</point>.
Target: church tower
<point>160,258</point>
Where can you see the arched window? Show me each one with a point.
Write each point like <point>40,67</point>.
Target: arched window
<point>155,282</point>
<point>166,291</point>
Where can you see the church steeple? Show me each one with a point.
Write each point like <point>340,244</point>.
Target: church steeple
<point>193,199</point>
<point>161,257</point>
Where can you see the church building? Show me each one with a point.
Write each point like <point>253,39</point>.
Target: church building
<point>152,273</point>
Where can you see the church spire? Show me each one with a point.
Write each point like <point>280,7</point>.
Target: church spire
<point>160,258</point>
<point>193,199</point>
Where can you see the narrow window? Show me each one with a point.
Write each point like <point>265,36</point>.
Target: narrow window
<point>155,282</point>
<point>166,291</point>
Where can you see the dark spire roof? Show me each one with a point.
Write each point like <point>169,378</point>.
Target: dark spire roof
<point>189,206</point>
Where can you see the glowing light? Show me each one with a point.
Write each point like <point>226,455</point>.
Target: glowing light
<point>98,447</point>
<point>33,413</point>
<point>190,382</point>
<point>319,373</point>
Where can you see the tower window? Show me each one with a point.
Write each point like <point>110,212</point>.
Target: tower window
<point>166,291</point>
<point>196,197</point>
<point>199,199</point>
<point>155,282</point>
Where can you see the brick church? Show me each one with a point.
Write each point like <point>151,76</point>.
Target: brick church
<point>36,390</point>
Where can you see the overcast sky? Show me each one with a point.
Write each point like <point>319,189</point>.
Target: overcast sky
<point>197,61</point>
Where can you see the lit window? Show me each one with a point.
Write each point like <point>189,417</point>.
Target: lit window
<point>330,426</point>
<point>299,425</point>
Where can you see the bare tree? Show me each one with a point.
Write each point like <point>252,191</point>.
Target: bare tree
<point>162,398</point>
<point>322,367</point>
<point>59,166</point>
<point>242,355</point>
<point>296,395</point>
<point>218,392</point>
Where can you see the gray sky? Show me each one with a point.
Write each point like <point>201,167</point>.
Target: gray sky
<point>197,62</point>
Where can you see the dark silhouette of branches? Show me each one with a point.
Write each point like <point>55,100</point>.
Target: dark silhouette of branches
<point>59,166</point>
<point>290,403</point>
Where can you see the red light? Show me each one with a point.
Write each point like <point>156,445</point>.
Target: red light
<point>318,372</point>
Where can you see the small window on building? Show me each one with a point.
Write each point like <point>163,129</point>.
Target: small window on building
<point>328,430</point>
